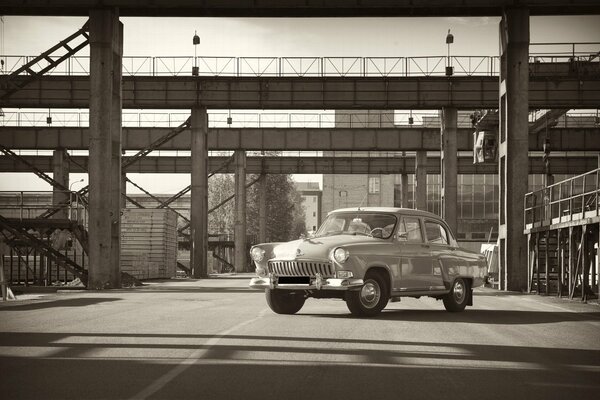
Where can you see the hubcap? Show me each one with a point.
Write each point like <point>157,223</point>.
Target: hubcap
<point>370,294</point>
<point>459,291</point>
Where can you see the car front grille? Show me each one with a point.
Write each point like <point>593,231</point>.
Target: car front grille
<point>301,268</point>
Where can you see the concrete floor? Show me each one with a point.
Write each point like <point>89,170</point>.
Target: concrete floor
<point>215,339</point>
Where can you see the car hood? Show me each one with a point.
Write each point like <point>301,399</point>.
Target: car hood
<point>317,248</point>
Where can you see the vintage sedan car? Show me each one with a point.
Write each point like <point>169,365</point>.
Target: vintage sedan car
<point>368,256</point>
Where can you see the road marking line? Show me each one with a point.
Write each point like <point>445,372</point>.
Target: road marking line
<point>161,382</point>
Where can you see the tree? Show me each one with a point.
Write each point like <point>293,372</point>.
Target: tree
<point>285,214</point>
<point>220,187</point>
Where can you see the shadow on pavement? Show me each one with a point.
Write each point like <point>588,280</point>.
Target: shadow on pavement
<point>264,367</point>
<point>42,304</point>
<point>492,317</point>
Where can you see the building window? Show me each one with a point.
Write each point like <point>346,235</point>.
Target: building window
<point>314,213</point>
<point>374,185</point>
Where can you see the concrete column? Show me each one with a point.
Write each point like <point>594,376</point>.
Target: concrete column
<point>199,209</point>
<point>240,211</point>
<point>104,26</point>
<point>61,168</point>
<point>117,200</point>
<point>421,180</point>
<point>449,167</point>
<point>123,189</point>
<point>514,144</point>
<point>262,209</point>
<point>404,187</point>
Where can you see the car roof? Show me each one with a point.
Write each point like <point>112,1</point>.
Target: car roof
<point>393,210</point>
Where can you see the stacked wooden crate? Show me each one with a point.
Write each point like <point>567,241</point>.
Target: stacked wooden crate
<point>149,243</point>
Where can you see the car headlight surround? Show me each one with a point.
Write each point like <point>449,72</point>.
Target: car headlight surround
<point>257,254</point>
<point>341,255</point>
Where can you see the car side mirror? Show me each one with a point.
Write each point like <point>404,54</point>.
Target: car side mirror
<point>402,236</point>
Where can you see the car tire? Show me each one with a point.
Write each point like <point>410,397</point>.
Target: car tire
<point>458,298</point>
<point>370,299</point>
<point>283,302</point>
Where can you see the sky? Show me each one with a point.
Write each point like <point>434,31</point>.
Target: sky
<point>244,37</point>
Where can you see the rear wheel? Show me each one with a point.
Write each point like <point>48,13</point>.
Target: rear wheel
<point>457,299</point>
<point>283,301</point>
<point>372,297</point>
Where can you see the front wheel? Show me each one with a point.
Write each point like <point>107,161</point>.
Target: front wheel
<point>457,299</point>
<point>284,302</point>
<point>372,297</point>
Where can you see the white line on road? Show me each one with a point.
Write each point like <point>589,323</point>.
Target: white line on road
<point>191,360</point>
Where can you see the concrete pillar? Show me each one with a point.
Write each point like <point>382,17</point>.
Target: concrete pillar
<point>199,199</point>
<point>449,167</point>
<point>61,168</point>
<point>123,189</point>
<point>104,28</point>
<point>421,181</point>
<point>514,144</point>
<point>240,211</point>
<point>404,190</point>
<point>262,209</point>
<point>117,200</point>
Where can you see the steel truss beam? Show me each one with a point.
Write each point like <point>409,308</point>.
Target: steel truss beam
<point>14,82</point>
<point>291,139</point>
<point>300,8</point>
<point>383,93</point>
<point>32,168</point>
<point>318,165</point>
<point>189,187</point>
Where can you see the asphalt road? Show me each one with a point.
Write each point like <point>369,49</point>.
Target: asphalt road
<point>215,339</point>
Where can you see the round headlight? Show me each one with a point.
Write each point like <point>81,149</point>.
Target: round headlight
<point>257,254</point>
<point>341,255</point>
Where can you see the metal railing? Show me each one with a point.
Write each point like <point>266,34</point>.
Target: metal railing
<point>148,119</point>
<point>32,204</point>
<point>566,201</point>
<point>275,66</point>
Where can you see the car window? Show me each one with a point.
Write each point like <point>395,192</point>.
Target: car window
<point>436,233</point>
<point>410,230</point>
<point>379,225</point>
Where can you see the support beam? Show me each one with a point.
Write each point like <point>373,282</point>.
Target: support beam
<point>404,190</point>
<point>262,209</point>
<point>118,202</point>
<point>421,181</point>
<point>104,25</point>
<point>124,190</point>
<point>580,138</point>
<point>199,209</point>
<point>60,173</point>
<point>449,167</point>
<point>514,107</point>
<point>310,93</point>
<point>240,211</point>
<point>308,165</point>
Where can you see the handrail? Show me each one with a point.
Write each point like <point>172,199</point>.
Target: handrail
<point>297,66</point>
<point>570,200</point>
<point>275,66</point>
<point>326,119</point>
<point>17,204</point>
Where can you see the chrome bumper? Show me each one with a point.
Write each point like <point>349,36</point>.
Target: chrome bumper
<point>318,283</point>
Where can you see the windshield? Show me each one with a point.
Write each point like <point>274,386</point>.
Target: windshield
<point>358,223</point>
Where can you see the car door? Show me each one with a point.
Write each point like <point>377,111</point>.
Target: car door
<point>442,252</point>
<point>415,265</point>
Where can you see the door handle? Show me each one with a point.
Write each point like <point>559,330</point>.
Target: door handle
<point>426,246</point>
